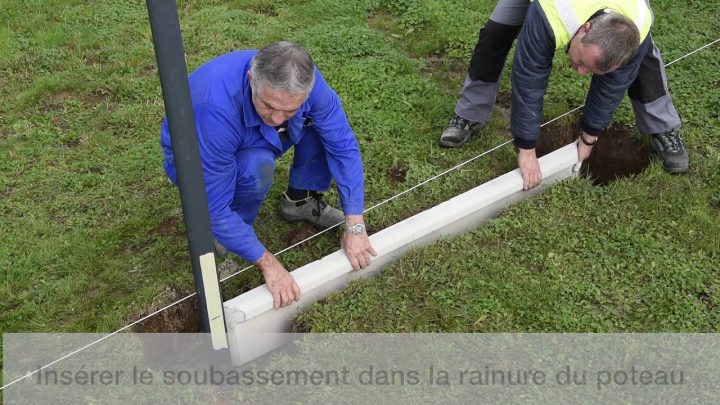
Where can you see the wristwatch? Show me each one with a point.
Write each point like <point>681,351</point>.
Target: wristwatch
<point>355,229</point>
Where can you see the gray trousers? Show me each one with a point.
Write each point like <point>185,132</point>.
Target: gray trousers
<point>649,95</point>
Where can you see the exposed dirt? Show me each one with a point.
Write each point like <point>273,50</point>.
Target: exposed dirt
<point>71,141</point>
<point>63,95</point>
<point>305,231</point>
<point>58,216</point>
<point>189,7</point>
<point>397,173</point>
<point>706,297</point>
<point>617,154</point>
<point>93,60</point>
<point>171,226</point>
<point>504,99</point>
<point>60,123</point>
<point>54,101</point>
<point>148,70</point>
<point>98,96</point>
<point>181,318</point>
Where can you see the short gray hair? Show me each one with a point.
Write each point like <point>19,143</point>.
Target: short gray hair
<point>284,66</point>
<point>617,36</point>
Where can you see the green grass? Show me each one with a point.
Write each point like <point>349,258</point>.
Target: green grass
<point>92,235</point>
<point>576,259</point>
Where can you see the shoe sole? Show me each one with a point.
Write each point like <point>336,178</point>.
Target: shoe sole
<point>672,170</point>
<point>291,218</point>
<point>677,169</point>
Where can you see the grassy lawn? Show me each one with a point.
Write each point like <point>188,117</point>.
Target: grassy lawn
<point>92,235</point>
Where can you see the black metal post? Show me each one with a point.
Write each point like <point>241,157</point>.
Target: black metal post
<point>172,69</point>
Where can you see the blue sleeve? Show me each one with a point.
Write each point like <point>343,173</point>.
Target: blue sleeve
<point>607,91</point>
<point>219,139</point>
<point>530,72</point>
<point>341,147</point>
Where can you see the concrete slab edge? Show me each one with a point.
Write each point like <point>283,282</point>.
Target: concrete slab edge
<point>252,311</point>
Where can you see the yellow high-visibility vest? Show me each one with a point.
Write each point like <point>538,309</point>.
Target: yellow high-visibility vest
<point>567,16</point>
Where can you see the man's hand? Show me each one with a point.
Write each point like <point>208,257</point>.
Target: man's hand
<point>529,168</point>
<point>357,247</point>
<point>281,284</point>
<point>583,148</point>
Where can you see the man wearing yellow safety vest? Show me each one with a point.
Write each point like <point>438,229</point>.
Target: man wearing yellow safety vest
<point>608,38</point>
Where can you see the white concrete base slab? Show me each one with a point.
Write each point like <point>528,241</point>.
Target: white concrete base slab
<point>252,311</point>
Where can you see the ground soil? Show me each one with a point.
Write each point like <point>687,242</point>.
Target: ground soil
<point>181,318</point>
<point>619,151</point>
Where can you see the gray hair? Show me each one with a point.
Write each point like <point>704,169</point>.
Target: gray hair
<point>284,66</point>
<point>617,36</point>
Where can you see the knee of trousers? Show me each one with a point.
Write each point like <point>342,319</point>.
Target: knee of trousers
<point>255,174</point>
<point>491,50</point>
<point>649,85</point>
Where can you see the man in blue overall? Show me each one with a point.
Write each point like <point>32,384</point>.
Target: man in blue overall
<point>250,107</point>
<point>608,38</point>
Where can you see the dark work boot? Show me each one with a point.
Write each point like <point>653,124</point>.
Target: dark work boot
<point>458,132</point>
<point>670,150</point>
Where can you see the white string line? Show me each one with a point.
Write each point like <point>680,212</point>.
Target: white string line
<point>403,192</point>
<point>693,52</point>
<point>29,374</point>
